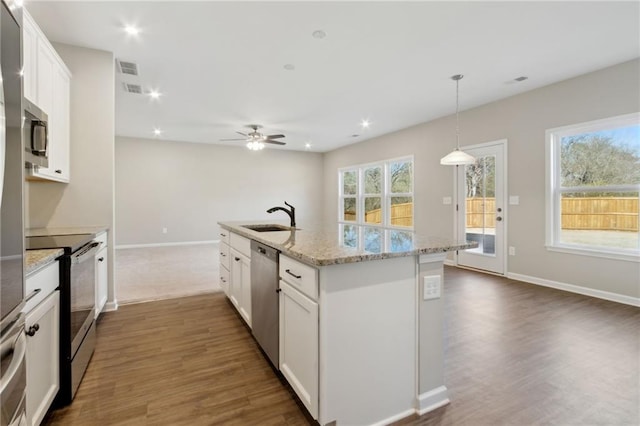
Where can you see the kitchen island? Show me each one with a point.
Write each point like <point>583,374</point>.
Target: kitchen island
<point>361,318</point>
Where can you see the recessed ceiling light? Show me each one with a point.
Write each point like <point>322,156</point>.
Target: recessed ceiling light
<point>154,94</point>
<point>307,145</point>
<point>365,124</point>
<point>521,78</point>
<point>132,30</point>
<point>289,67</point>
<point>320,34</point>
<point>157,132</point>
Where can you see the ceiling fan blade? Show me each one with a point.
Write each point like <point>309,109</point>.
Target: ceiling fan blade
<point>226,140</point>
<point>243,134</point>
<point>274,142</point>
<point>275,136</point>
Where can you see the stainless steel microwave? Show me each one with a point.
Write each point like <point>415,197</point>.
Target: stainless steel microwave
<point>35,130</point>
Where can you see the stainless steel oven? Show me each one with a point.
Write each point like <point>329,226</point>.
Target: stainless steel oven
<point>77,306</point>
<point>35,136</point>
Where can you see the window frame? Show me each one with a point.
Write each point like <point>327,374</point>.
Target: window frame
<point>554,190</point>
<point>385,194</point>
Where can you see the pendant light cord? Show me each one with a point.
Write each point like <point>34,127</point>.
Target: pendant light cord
<point>457,112</point>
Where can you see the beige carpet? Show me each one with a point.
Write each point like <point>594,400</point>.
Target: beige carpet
<point>154,273</point>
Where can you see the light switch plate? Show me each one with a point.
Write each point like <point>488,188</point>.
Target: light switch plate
<point>514,200</point>
<point>432,287</point>
<point>446,200</point>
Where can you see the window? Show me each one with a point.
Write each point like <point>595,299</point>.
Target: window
<point>594,187</point>
<point>379,194</point>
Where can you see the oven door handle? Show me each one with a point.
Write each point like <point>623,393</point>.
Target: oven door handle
<point>87,252</point>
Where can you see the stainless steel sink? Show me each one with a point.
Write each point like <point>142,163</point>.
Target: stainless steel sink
<point>268,228</point>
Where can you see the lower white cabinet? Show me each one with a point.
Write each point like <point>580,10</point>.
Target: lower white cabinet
<point>102,274</point>
<point>240,284</point>
<point>102,279</point>
<point>43,340</point>
<point>299,344</point>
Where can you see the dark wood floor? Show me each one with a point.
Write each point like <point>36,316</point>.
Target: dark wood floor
<point>516,354</point>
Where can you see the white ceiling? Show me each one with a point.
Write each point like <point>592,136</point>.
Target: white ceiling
<point>220,65</point>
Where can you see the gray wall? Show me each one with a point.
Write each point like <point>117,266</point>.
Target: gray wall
<point>189,187</point>
<point>522,120</point>
<point>88,198</point>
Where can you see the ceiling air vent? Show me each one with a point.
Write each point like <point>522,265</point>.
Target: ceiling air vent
<point>133,88</point>
<point>129,68</point>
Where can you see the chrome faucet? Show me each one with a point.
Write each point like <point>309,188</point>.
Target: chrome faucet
<point>291,212</point>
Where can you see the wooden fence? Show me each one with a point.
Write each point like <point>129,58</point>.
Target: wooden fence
<point>588,213</point>
<point>401,215</point>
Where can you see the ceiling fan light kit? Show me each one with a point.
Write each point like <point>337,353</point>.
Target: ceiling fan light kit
<point>457,157</point>
<point>256,140</point>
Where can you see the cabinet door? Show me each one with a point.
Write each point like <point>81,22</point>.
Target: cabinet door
<point>102,279</point>
<point>240,284</point>
<point>299,345</point>
<point>59,134</point>
<point>29,52</point>
<point>245,302</point>
<point>235,281</point>
<point>43,378</point>
<point>45,71</point>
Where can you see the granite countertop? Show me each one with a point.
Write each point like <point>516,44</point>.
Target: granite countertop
<point>36,259</point>
<point>339,243</point>
<point>37,232</point>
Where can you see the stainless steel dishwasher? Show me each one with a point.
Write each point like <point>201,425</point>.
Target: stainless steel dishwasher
<point>264,300</point>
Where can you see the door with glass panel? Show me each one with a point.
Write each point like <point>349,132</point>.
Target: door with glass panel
<point>481,207</point>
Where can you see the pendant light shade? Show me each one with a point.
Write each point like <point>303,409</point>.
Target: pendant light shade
<point>457,157</point>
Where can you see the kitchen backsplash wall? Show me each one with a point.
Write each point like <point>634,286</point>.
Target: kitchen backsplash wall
<point>522,120</point>
<point>188,187</point>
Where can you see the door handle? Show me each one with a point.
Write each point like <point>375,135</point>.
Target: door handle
<point>33,330</point>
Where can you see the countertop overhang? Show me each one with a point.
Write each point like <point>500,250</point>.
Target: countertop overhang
<point>322,246</point>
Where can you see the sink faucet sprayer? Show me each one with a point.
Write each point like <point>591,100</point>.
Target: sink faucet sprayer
<point>291,212</point>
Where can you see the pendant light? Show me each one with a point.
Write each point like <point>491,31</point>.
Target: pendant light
<point>457,157</point>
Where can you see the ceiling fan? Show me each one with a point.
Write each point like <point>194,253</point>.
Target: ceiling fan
<point>256,140</point>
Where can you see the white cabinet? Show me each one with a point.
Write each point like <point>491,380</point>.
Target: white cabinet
<point>235,271</point>
<point>102,274</point>
<point>240,284</point>
<point>47,83</point>
<point>42,325</point>
<point>299,344</point>
<point>225,275</point>
<point>29,53</point>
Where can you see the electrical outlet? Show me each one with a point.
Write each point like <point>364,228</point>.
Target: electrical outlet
<point>432,287</point>
<point>164,230</point>
<point>512,251</point>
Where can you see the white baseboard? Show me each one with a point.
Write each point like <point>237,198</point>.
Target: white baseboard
<point>600,294</point>
<point>450,262</point>
<point>395,418</point>
<point>183,243</point>
<point>110,306</point>
<point>431,400</point>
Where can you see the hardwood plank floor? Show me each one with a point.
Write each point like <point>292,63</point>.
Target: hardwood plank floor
<point>516,354</point>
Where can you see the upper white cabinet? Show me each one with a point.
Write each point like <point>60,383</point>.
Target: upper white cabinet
<point>47,83</point>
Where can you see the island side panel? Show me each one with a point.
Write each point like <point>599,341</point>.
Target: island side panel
<point>368,328</point>
<point>432,393</point>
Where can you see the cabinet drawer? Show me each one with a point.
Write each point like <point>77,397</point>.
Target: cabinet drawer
<point>41,284</point>
<point>102,238</point>
<point>224,256</point>
<point>241,244</point>
<point>224,236</point>
<point>302,277</point>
